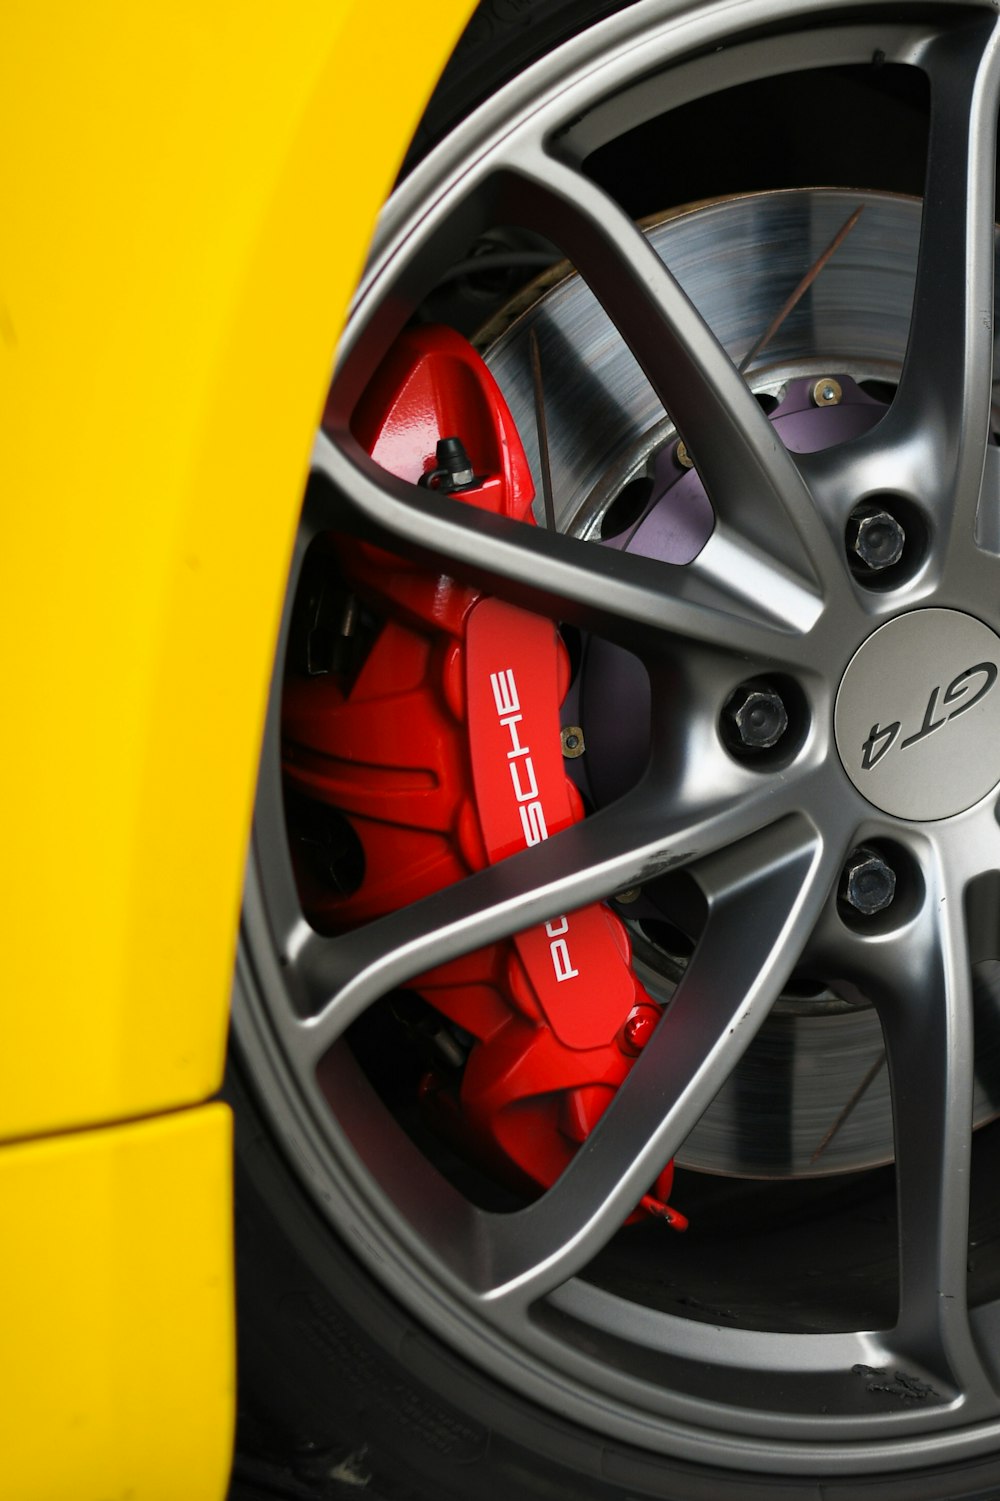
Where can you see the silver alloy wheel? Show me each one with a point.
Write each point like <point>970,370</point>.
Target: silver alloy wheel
<point>735,259</point>
<point>770,588</point>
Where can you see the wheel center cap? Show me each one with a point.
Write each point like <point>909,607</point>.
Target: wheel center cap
<point>917,718</point>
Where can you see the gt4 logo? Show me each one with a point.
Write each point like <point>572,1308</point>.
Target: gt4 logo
<point>881,738</point>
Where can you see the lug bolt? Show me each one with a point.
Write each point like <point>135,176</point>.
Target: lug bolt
<point>629,895</point>
<point>572,741</point>
<point>756,717</point>
<point>875,537</point>
<point>868,883</point>
<point>682,456</point>
<point>639,1027</point>
<point>827,392</point>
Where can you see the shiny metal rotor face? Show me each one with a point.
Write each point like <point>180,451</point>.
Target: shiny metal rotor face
<point>811,1096</point>
<point>809,901</point>
<point>737,260</point>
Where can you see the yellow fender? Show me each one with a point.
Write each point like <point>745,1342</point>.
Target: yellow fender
<point>186,194</point>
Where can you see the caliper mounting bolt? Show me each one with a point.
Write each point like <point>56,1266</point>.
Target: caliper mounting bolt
<point>875,537</point>
<point>868,882</point>
<point>755,717</point>
<point>572,740</point>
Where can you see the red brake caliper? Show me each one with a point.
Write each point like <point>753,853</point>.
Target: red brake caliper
<point>444,755</point>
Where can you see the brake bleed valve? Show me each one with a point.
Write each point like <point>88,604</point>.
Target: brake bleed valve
<point>453,470</point>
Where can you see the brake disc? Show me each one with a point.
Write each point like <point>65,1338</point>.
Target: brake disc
<point>811,1095</point>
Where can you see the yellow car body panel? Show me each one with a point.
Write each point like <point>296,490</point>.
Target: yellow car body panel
<point>116,1345</point>
<point>187,193</point>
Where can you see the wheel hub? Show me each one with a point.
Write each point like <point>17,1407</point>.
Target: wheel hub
<point>916,716</point>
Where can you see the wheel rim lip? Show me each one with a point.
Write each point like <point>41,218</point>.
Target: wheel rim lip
<point>685,1433</point>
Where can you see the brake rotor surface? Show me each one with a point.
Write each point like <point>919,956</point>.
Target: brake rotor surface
<point>811,1095</point>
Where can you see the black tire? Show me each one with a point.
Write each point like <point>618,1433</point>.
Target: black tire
<point>342,1390</point>
<point>502,38</point>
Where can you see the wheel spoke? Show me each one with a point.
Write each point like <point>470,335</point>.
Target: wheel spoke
<point>924,996</point>
<point>754,484</point>
<point>933,439</point>
<point>626,845</point>
<point>945,389</point>
<point>736,600</point>
<point>763,896</point>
